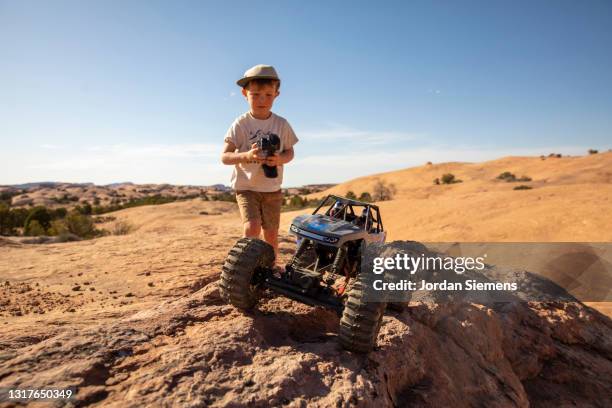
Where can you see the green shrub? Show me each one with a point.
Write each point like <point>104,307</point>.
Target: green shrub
<point>58,227</point>
<point>224,196</point>
<point>297,201</point>
<point>60,212</point>
<point>350,195</point>
<point>86,208</point>
<point>365,197</point>
<point>507,176</point>
<point>34,229</point>
<point>522,187</point>
<point>39,214</point>
<point>122,227</point>
<point>19,216</point>
<point>80,225</point>
<point>7,226</point>
<point>449,178</point>
<point>510,178</point>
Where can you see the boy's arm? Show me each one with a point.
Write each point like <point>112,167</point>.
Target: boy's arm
<point>231,156</point>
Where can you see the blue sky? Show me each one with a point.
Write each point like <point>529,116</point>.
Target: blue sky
<point>143,91</point>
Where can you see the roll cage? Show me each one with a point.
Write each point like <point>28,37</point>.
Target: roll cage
<point>344,209</point>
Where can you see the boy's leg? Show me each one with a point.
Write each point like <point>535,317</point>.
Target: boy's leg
<point>251,229</point>
<point>270,212</point>
<point>249,204</point>
<point>271,237</point>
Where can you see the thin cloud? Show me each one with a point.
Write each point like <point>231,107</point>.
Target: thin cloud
<point>125,155</point>
<point>359,136</point>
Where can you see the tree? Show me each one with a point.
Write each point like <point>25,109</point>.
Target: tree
<point>34,229</point>
<point>19,216</point>
<point>6,220</point>
<point>40,214</point>
<point>86,209</point>
<point>365,197</point>
<point>383,191</point>
<point>60,212</point>
<point>297,202</point>
<point>80,225</point>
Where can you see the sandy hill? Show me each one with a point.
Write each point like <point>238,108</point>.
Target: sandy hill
<point>565,203</point>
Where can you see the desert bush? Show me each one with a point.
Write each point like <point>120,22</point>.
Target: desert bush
<point>449,178</point>
<point>86,209</point>
<point>383,191</point>
<point>39,214</point>
<point>58,227</point>
<point>555,155</point>
<point>34,229</point>
<point>60,212</point>
<point>224,196</point>
<point>351,195</point>
<point>436,181</point>
<point>304,190</point>
<point>7,226</point>
<point>19,216</point>
<point>297,202</point>
<point>593,151</point>
<point>522,187</point>
<point>510,178</point>
<point>103,219</point>
<point>365,197</point>
<point>121,227</point>
<point>80,225</point>
<point>507,176</point>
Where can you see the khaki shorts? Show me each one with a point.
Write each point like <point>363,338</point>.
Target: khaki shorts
<point>262,207</point>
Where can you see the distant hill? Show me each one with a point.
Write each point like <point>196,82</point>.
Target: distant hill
<point>568,200</point>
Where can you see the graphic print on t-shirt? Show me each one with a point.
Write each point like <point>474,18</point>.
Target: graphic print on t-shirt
<point>255,137</point>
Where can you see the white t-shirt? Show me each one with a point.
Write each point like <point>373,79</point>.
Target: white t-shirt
<point>247,130</point>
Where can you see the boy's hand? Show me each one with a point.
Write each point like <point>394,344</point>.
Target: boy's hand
<point>254,154</point>
<point>273,161</point>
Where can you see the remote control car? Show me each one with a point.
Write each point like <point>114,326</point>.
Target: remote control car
<point>325,270</point>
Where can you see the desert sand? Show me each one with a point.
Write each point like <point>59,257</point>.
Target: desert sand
<point>137,319</point>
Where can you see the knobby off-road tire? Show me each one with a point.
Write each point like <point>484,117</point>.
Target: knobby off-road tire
<point>236,285</point>
<point>360,322</point>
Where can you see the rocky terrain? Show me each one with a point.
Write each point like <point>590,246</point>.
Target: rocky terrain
<point>68,195</point>
<point>136,319</point>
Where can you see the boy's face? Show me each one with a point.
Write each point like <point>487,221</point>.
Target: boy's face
<point>260,99</point>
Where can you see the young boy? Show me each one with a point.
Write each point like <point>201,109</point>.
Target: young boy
<point>259,197</point>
